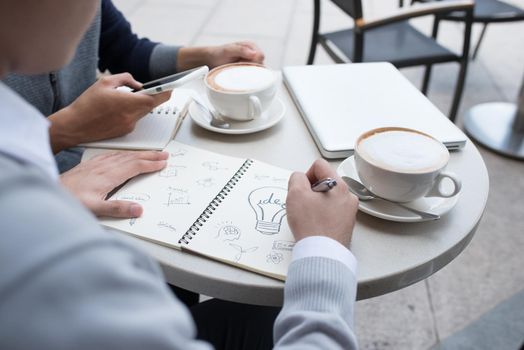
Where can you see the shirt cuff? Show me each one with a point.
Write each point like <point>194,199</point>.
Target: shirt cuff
<point>325,247</point>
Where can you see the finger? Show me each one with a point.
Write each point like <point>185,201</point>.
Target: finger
<point>117,209</point>
<point>126,156</point>
<point>298,182</point>
<point>122,79</point>
<point>320,170</point>
<point>160,98</point>
<point>251,52</point>
<point>134,167</point>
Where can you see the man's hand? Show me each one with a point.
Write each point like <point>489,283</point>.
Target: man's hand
<point>213,56</point>
<point>330,214</point>
<point>91,181</point>
<point>102,112</point>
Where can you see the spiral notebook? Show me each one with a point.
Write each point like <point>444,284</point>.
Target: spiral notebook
<point>225,208</point>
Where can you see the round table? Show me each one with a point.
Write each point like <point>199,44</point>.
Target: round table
<point>390,255</point>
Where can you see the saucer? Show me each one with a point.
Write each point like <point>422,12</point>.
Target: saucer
<point>390,211</point>
<point>269,118</point>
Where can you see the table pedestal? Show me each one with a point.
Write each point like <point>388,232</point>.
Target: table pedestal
<point>498,126</point>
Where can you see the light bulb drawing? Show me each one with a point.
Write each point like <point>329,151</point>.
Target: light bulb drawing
<point>269,205</point>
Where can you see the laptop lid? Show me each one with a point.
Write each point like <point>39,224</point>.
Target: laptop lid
<point>339,102</point>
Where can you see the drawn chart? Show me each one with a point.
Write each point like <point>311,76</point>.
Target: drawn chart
<point>177,196</point>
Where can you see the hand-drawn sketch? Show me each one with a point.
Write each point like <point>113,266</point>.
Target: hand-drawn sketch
<point>135,197</point>
<point>171,170</point>
<point>260,177</point>
<point>178,153</point>
<point>241,251</point>
<point>274,257</point>
<point>213,166</point>
<point>228,232</point>
<point>206,182</point>
<point>176,196</point>
<point>269,205</point>
<point>132,221</point>
<point>283,245</point>
<point>166,225</point>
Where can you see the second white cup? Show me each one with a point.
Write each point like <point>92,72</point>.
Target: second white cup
<point>402,165</point>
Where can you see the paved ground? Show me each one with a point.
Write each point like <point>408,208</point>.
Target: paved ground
<point>490,269</point>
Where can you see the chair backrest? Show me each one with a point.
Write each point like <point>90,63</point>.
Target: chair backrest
<point>352,7</point>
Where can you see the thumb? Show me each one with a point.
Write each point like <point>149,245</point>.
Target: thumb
<point>247,52</point>
<point>299,182</point>
<point>117,209</point>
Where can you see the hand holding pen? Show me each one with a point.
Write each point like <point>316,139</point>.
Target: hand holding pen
<point>317,207</point>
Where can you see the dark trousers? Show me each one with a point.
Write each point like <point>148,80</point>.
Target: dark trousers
<point>228,325</point>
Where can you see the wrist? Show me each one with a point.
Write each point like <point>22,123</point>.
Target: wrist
<point>192,57</point>
<point>61,135</point>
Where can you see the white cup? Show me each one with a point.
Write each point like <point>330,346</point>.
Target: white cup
<point>402,165</point>
<point>242,96</point>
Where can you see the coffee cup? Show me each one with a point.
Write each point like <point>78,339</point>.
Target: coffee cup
<point>241,91</point>
<point>402,165</point>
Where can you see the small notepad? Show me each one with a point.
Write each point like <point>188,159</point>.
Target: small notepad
<point>225,208</point>
<point>154,130</point>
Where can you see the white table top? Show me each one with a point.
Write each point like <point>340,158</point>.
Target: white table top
<point>390,255</point>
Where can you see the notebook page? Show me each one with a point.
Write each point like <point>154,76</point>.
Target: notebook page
<point>154,130</point>
<point>249,228</point>
<point>174,197</point>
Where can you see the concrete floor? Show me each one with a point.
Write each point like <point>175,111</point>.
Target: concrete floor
<point>489,270</point>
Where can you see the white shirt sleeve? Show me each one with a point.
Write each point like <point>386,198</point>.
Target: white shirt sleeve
<point>325,247</point>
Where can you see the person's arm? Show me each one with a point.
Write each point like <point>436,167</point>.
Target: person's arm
<point>320,289</point>
<point>70,285</point>
<point>121,50</point>
<point>101,112</point>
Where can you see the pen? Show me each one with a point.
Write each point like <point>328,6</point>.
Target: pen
<point>324,185</point>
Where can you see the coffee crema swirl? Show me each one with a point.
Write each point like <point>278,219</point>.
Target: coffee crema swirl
<point>240,77</point>
<point>403,151</point>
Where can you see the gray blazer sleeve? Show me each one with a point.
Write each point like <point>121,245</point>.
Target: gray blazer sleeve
<point>67,284</point>
<point>319,298</point>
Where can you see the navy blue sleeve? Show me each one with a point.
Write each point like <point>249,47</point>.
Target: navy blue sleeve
<point>120,49</point>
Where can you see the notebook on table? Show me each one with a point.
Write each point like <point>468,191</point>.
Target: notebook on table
<point>154,130</point>
<point>225,208</point>
<point>339,102</point>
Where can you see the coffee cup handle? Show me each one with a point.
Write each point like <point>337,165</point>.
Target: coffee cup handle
<point>255,107</point>
<point>436,192</point>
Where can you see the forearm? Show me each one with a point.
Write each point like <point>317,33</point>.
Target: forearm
<point>318,306</point>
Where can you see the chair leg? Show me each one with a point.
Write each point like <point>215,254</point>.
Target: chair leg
<point>314,37</point>
<point>458,91</point>
<point>425,82</point>
<point>427,72</point>
<point>481,37</point>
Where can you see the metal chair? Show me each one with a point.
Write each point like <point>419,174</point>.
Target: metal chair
<point>394,40</point>
<point>485,12</point>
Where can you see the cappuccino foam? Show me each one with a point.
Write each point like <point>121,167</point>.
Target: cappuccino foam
<point>241,78</point>
<point>403,151</point>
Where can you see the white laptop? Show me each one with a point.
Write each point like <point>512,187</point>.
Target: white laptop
<point>339,102</point>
